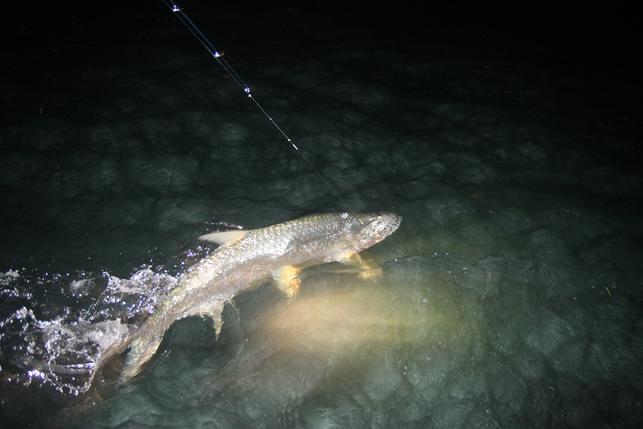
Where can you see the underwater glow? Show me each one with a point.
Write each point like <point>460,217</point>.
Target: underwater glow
<point>509,297</point>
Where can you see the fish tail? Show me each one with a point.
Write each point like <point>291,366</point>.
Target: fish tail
<point>141,350</point>
<point>146,341</point>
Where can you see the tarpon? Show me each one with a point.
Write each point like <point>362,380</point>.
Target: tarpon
<point>245,257</point>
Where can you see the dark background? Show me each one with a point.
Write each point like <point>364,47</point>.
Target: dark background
<point>49,45</point>
<point>596,34</point>
<point>599,43</point>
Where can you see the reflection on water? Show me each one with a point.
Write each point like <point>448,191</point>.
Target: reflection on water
<point>437,338</point>
<point>350,316</point>
<point>510,297</point>
<point>291,362</point>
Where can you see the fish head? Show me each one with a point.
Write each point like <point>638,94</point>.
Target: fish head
<point>368,229</point>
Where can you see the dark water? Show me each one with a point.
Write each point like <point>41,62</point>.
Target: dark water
<point>510,296</point>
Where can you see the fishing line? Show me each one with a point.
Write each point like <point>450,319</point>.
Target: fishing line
<point>218,56</point>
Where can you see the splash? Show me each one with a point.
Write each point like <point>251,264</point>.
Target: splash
<point>58,325</point>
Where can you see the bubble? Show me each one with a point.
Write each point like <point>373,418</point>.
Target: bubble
<point>51,342</point>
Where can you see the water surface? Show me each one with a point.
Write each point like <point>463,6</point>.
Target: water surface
<point>510,296</point>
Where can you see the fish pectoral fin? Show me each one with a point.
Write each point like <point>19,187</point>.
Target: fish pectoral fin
<point>287,279</point>
<point>367,270</point>
<point>224,238</point>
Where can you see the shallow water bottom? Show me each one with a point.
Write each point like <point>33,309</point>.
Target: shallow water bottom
<point>510,296</point>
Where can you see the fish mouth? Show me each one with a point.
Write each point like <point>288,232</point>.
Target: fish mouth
<point>392,220</point>
<point>376,227</point>
<point>396,223</point>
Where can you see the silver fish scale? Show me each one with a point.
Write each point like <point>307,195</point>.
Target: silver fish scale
<point>307,237</point>
<point>205,288</point>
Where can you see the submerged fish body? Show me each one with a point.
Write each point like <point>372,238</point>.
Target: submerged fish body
<point>246,256</point>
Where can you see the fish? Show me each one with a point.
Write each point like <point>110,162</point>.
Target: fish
<point>245,257</point>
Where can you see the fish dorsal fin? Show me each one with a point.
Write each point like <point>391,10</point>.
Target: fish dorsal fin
<point>224,238</point>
